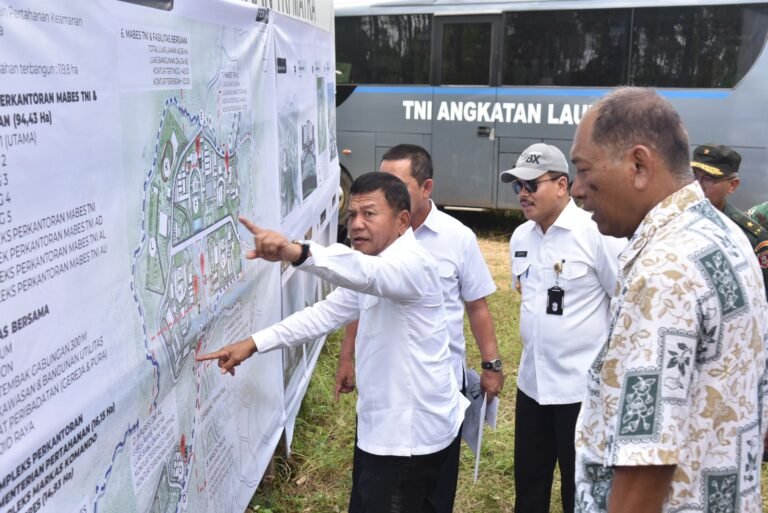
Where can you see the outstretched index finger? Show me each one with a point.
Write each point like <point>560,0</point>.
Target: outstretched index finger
<point>251,226</point>
<point>211,356</point>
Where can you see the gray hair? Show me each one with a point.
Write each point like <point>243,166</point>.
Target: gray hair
<point>638,115</point>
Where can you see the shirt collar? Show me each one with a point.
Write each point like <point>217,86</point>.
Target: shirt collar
<point>432,222</point>
<point>566,220</point>
<point>406,236</point>
<point>669,209</point>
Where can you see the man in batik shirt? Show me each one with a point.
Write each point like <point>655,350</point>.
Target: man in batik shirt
<point>675,407</point>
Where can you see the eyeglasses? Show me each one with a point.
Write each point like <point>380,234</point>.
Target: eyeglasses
<point>707,179</point>
<point>531,185</point>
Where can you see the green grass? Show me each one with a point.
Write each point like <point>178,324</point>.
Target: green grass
<point>318,476</point>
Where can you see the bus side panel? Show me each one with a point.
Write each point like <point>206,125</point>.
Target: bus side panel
<point>464,147</point>
<point>736,118</point>
<point>357,152</point>
<point>385,141</point>
<point>376,118</point>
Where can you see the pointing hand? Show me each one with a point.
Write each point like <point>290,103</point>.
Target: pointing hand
<point>269,245</point>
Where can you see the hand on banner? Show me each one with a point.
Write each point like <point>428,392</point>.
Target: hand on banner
<point>345,377</point>
<point>271,246</point>
<point>232,355</point>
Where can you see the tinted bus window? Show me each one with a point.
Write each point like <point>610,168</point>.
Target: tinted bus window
<point>384,49</point>
<point>568,48</point>
<point>466,54</point>
<point>696,46</point>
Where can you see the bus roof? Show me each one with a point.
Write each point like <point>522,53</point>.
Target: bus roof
<point>448,7</point>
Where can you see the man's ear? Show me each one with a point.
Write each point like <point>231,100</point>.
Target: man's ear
<point>426,188</point>
<point>403,221</point>
<point>642,166</point>
<point>733,184</point>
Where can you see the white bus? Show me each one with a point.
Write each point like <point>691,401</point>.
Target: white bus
<point>476,82</point>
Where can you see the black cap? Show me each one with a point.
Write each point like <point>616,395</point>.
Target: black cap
<point>716,159</point>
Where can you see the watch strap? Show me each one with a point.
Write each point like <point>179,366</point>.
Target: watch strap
<point>304,252</point>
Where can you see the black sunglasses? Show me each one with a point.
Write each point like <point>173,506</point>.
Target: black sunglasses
<point>531,185</point>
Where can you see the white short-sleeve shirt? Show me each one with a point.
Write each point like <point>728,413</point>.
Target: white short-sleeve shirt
<point>558,349</point>
<point>463,273</point>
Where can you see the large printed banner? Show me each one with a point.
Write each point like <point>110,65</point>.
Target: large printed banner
<point>131,139</point>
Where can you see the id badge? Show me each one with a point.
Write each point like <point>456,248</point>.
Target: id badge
<point>555,300</point>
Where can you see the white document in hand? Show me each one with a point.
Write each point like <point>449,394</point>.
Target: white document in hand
<point>480,437</point>
<point>478,413</point>
<point>472,417</point>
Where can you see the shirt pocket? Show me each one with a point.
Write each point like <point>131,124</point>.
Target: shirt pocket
<point>370,322</point>
<point>447,273</point>
<point>520,269</point>
<point>573,272</point>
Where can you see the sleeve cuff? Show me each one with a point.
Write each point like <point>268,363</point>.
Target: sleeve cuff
<point>263,341</point>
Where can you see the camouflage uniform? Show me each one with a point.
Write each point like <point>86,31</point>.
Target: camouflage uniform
<point>720,162</point>
<point>757,235</point>
<point>760,214</point>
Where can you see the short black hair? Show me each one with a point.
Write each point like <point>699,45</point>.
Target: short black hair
<point>393,188</point>
<point>421,161</point>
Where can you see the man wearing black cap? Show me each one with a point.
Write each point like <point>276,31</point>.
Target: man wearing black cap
<point>716,167</point>
<point>566,273</point>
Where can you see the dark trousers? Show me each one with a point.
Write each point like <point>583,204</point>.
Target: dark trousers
<point>544,435</point>
<point>396,484</point>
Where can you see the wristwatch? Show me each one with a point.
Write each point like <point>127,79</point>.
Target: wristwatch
<point>304,252</point>
<point>494,365</point>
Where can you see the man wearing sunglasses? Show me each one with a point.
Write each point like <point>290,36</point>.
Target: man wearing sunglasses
<point>716,167</point>
<point>566,273</point>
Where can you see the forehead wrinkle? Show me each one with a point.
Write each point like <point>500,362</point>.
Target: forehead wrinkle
<point>363,204</point>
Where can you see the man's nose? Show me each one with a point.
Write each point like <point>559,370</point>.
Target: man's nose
<point>577,188</point>
<point>354,222</point>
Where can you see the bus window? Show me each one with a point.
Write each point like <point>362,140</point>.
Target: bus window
<point>466,54</point>
<point>384,49</point>
<point>707,47</point>
<point>566,48</point>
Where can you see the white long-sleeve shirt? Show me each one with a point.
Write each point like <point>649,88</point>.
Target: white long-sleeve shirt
<point>408,398</point>
<point>558,349</point>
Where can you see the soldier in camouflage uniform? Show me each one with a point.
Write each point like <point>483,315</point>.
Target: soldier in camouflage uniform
<point>716,167</point>
<point>760,214</point>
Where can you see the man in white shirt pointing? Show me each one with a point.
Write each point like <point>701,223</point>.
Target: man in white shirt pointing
<point>409,406</point>
<point>466,283</point>
<point>566,273</point>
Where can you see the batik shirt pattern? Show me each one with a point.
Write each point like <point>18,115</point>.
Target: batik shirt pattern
<point>681,378</point>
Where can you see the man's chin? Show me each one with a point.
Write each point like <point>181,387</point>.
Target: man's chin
<point>529,211</point>
<point>606,228</point>
<point>598,221</point>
